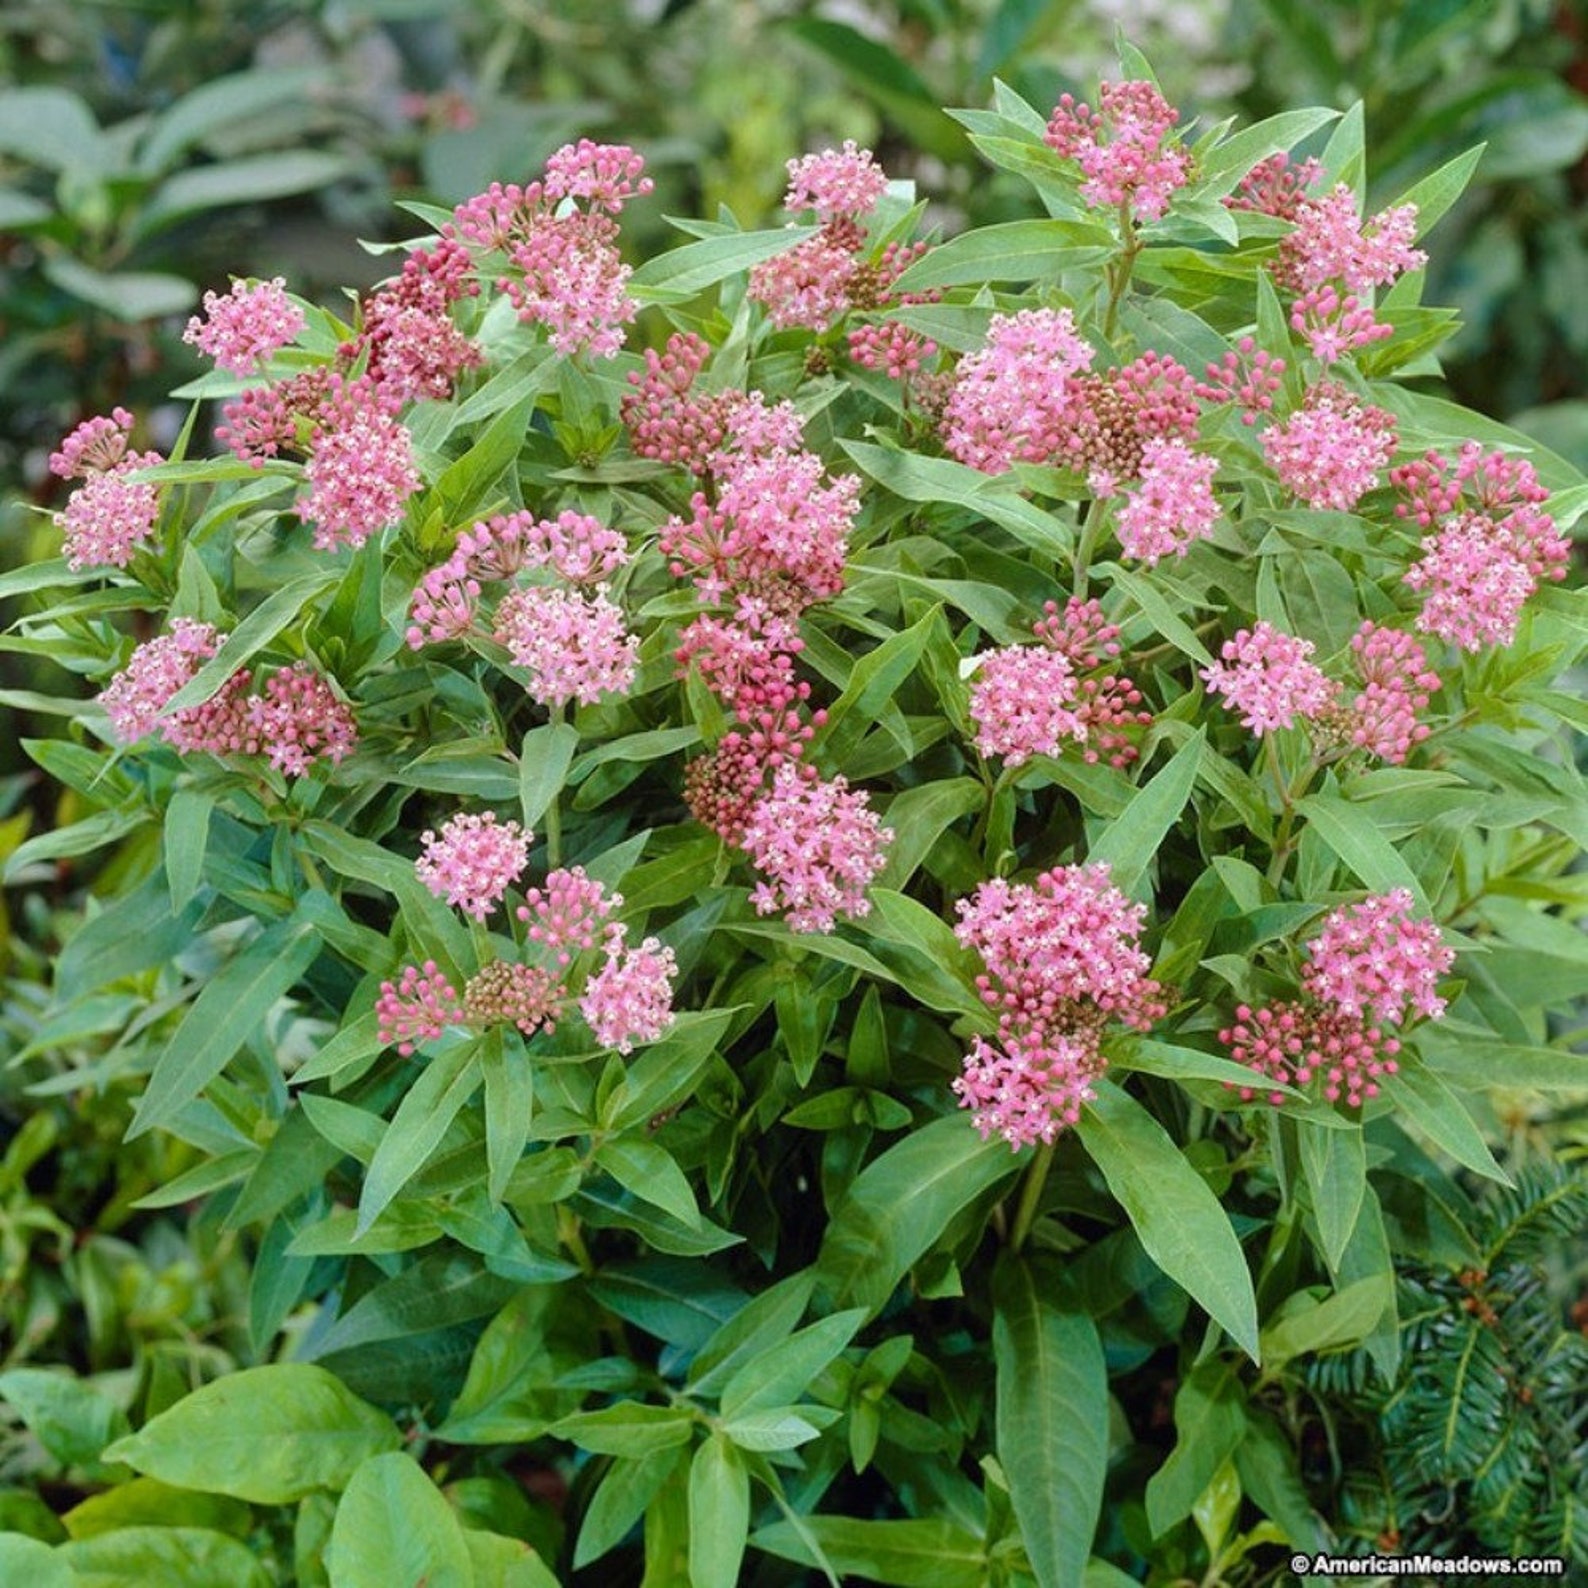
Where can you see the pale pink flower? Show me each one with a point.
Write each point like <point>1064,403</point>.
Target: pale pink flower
<point>1173,507</point>
<point>1474,583</point>
<point>444,604</point>
<point>1012,401</point>
<point>1397,683</point>
<point>1332,242</point>
<point>1020,701</point>
<point>416,1008</point>
<point>155,671</point>
<point>837,183</point>
<point>806,287</point>
<point>604,175</point>
<point>1122,147</point>
<point>1264,674</point>
<point>567,914</point>
<point>630,999</point>
<point>574,646</point>
<point>109,516</point>
<point>241,329</point>
<point>818,845</point>
<point>94,447</point>
<point>473,861</point>
<point>1031,1088</point>
<point>360,474</point>
<point>297,719</point>
<point>1334,326</point>
<point>574,282</point>
<point>506,994</point>
<point>1375,959</point>
<point>1336,1056</point>
<point>1329,453</point>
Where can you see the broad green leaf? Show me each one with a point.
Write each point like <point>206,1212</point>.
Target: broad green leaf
<point>1228,161</point>
<point>223,1017</point>
<point>501,1562</point>
<point>238,96</point>
<point>1335,1164</point>
<point>678,275</point>
<point>543,767</point>
<point>52,128</point>
<point>173,1557</point>
<point>393,1529</point>
<point>874,682</point>
<point>509,1101</point>
<point>147,1501</point>
<point>80,838</point>
<point>444,1287</point>
<point>509,1396</point>
<point>1178,1219</point>
<point>1305,1324</point>
<point>124,295</point>
<point>779,1427</point>
<point>1209,1418</point>
<point>187,832</point>
<point>1350,833</point>
<point>1131,840</point>
<point>1424,1100</point>
<point>783,1372</point>
<point>1157,610</point>
<point>26,1560</point>
<point>667,1071</point>
<point>447,1082</point>
<point>930,1553</point>
<point>719,1514</point>
<point>899,1206</point>
<point>249,180</point>
<point>73,1420</point>
<point>651,1173</point>
<point>1010,251</point>
<point>268,1435</point>
<point>1175,1063</point>
<point>1440,189</point>
<point>1471,1061</point>
<point>629,1428</point>
<point>1052,1420</point>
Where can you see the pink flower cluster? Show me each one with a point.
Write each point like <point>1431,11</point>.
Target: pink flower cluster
<point>1249,376</point>
<point>411,346</point>
<point>1063,958</point>
<point>293,717</point>
<point>109,516</point>
<point>241,329</point>
<point>818,845</point>
<point>361,470</point>
<point>1276,187</point>
<point>839,184</point>
<point>1106,704</point>
<point>627,999</point>
<point>1490,544</point>
<point>1330,452</point>
<point>473,861</point>
<point>1264,674</point>
<point>1173,506</point>
<point>664,418</point>
<point>574,646</point>
<point>1397,683</point>
<point>1122,147</point>
<point>565,271</point>
<point>1373,965</point>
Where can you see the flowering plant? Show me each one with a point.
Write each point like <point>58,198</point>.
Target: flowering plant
<point>1005,795</point>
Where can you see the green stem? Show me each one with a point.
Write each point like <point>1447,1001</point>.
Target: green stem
<point>554,816</point>
<point>1030,1196</point>
<point>1120,271</point>
<point>569,1234</point>
<point>1092,516</point>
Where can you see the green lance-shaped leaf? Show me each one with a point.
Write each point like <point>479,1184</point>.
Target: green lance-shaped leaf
<point>1010,251</point>
<point>938,1552</point>
<point>1132,838</point>
<point>719,1514</point>
<point>1349,831</point>
<point>173,1557</point>
<point>1335,1164</point>
<point>901,1204</point>
<point>394,1529</point>
<point>224,1016</point>
<point>678,275</point>
<point>1179,1220</point>
<point>268,1435</point>
<point>1052,1409</point>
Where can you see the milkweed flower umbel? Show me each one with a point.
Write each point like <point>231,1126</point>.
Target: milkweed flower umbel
<point>242,328</point>
<point>1122,147</point>
<point>630,999</point>
<point>1264,674</point>
<point>1377,959</point>
<point>473,861</point>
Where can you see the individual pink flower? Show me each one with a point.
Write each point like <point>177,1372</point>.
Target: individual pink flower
<point>818,846</point>
<point>1264,674</point>
<point>106,519</point>
<point>156,670</point>
<point>1173,507</point>
<point>296,719</point>
<point>1013,400</point>
<point>1032,1088</point>
<point>630,999</point>
<point>1333,325</point>
<point>416,1008</point>
<point>836,183</point>
<point>360,474</point>
<point>1330,452</point>
<point>574,646</point>
<point>473,861</point>
<point>1122,147</point>
<point>1375,959</point>
<point>241,329</point>
<point>1062,953</point>
<point>1397,684</point>
<point>506,994</point>
<point>568,914</point>
<point>1336,1056</point>
<point>1020,701</point>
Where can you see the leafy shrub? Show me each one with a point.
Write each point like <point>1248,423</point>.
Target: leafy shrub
<point>592,823</point>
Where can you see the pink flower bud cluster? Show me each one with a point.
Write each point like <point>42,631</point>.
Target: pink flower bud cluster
<point>1106,704</point>
<point>1334,324</point>
<point>293,717</point>
<point>1122,148</point>
<point>1490,547</point>
<point>1173,506</point>
<point>564,269</point>
<point>1249,376</point>
<point>627,999</point>
<point>1063,958</point>
<point>109,516</point>
<point>411,345</point>
<point>1397,684</point>
<point>818,845</point>
<point>361,469</point>
<point>266,421</point>
<point>664,418</point>
<point>1264,674</point>
<point>1329,453</point>
<point>1373,965</point>
<point>241,329</point>
<point>1276,187</point>
<point>473,861</point>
